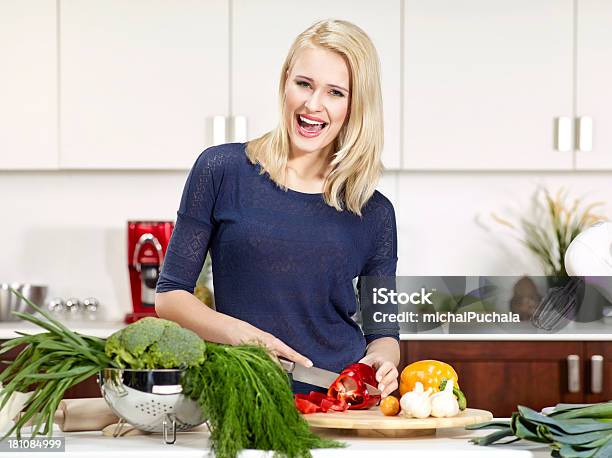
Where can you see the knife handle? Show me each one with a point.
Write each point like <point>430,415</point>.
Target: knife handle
<point>287,365</point>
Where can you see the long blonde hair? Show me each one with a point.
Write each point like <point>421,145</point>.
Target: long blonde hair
<point>356,165</point>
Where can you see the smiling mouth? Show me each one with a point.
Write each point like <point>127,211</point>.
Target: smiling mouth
<point>309,126</point>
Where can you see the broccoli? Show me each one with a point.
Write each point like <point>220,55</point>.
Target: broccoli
<point>155,343</point>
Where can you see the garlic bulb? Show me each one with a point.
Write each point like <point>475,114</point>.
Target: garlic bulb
<point>416,403</point>
<point>444,403</point>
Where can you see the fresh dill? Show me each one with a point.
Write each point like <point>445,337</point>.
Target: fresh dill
<point>247,399</point>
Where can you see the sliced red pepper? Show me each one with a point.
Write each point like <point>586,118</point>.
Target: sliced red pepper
<point>334,404</point>
<point>317,397</point>
<point>339,405</point>
<point>349,390</point>
<point>327,404</point>
<point>305,406</point>
<point>318,402</point>
<point>350,387</point>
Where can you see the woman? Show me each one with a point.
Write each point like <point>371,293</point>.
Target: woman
<point>292,217</point>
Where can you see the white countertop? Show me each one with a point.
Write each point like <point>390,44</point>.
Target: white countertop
<point>101,329</point>
<point>596,331</point>
<point>447,442</point>
<point>502,337</point>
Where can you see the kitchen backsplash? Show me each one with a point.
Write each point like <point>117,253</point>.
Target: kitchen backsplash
<point>68,229</point>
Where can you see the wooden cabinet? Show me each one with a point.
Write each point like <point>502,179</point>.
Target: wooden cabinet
<point>260,42</point>
<point>141,82</point>
<point>484,82</point>
<point>499,375</point>
<point>494,375</point>
<point>28,85</point>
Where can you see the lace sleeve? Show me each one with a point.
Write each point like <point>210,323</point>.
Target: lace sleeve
<point>194,225</point>
<point>383,258</point>
<point>379,272</point>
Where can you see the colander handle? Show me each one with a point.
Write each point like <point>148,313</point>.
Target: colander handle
<point>120,390</point>
<point>169,420</point>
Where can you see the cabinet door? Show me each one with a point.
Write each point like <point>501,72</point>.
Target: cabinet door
<point>498,376</point>
<point>603,350</point>
<point>262,33</point>
<point>484,82</point>
<point>141,81</point>
<point>28,84</point>
<point>593,89</point>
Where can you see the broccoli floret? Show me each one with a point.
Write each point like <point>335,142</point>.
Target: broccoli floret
<point>177,348</point>
<point>139,336</point>
<point>127,346</point>
<point>115,351</point>
<point>155,343</point>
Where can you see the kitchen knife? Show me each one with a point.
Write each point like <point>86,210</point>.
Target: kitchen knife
<point>316,376</point>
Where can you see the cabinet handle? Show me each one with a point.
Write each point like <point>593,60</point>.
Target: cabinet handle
<point>563,134</point>
<point>597,362</point>
<point>219,130</point>
<point>584,127</point>
<point>573,373</point>
<point>240,129</point>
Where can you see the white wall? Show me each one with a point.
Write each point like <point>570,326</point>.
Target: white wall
<point>444,221</point>
<point>68,229</point>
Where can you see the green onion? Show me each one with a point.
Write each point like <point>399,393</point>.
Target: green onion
<point>51,363</point>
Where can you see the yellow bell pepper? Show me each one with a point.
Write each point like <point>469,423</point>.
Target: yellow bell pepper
<point>429,372</point>
<point>432,374</point>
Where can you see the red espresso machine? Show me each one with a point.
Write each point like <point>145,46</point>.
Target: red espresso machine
<point>147,245</point>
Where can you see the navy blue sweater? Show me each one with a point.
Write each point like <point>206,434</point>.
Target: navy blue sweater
<point>283,261</point>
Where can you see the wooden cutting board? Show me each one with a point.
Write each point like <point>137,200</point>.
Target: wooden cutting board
<point>372,423</point>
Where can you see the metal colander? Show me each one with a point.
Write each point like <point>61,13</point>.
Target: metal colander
<point>150,400</point>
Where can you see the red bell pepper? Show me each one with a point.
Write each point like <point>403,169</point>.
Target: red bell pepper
<point>350,387</point>
<point>318,402</point>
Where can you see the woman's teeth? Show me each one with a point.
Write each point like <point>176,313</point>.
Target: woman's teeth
<point>310,121</point>
<point>309,125</point>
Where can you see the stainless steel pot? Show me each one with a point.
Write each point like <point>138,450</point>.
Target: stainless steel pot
<point>150,400</point>
<point>10,302</point>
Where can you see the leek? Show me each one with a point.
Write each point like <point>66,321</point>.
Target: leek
<point>571,430</point>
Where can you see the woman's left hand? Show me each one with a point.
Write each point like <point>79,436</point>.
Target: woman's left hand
<point>386,373</point>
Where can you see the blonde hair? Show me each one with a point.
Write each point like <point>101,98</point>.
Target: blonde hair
<point>356,165</point>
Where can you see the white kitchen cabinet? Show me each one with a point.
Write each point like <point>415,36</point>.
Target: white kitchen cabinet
<point>28,85</point>
<point>593,85</point>
<point>141,81</point>
<point>484,83</point>
<point>262,33</point>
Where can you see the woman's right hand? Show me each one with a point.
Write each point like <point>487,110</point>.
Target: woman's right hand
<point>247,333</point>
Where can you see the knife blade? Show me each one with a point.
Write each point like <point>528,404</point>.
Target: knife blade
<point>316,376</point>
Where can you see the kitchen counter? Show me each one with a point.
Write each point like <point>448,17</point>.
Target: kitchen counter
<point>596,331</point>
<point>93,328</point>
<point>447,442</point>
